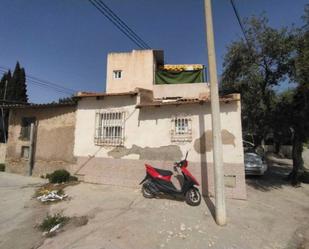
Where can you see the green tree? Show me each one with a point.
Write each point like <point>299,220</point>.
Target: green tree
<point>67,100</point>
<point>5,78</point>
<point>254,69</point>
<point>17,90</point>
<point>300,104</point>
<point>12,88</point>
<point>272,57</point>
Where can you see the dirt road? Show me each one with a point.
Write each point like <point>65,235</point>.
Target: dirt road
<point>19,214</point>
<point>274,216</point>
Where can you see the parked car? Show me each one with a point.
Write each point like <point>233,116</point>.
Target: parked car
<point>254,164</point>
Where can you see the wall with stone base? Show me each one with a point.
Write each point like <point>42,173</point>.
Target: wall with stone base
<point>130,172</point>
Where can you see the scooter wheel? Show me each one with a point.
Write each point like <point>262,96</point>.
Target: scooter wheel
<point>193,197</point>
<point>146,192</point>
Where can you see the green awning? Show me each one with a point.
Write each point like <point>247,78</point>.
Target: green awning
<point>179,77</point>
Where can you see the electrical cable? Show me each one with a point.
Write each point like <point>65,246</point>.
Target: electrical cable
<point>121,26</point>
<point>240,23</point>
<point>122,23</point>
<point>45,85</point>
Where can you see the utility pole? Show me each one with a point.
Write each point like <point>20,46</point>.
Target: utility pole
<point>2,112</point>
<point>215,118</point>
<point>30,159</point>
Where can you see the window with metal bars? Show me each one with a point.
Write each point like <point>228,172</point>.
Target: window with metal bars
<point>181,129</point>
<point>109,128</point>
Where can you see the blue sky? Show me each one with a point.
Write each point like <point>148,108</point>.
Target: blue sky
<point>67,41</point>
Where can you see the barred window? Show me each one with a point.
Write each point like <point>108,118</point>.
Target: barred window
<point>181,129</point>
<point>109,128</point>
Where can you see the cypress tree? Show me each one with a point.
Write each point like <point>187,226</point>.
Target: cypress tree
<point>17,89</point>
<point>14,88</point>
<point>7,77</point>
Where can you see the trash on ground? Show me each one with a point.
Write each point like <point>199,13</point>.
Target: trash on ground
<point>53,229</point>
<point>51,196</point>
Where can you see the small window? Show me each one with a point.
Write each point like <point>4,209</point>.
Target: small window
<point>25,152</point>
<point>181,129</point>
<point>109,128</point>
<point>117,74</point>
<point>25,127</point>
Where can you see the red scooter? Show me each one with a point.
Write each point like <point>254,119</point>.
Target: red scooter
<point>158,181</point>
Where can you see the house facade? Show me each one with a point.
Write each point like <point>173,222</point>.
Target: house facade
<point>150,113</point>
<point>53,140</point>
<point>154,113</point>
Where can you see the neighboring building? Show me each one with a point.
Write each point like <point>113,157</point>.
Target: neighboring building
<point>153,113</point>
<point>53,138</point>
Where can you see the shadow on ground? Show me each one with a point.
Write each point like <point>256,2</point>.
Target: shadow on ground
<point>211,206</point>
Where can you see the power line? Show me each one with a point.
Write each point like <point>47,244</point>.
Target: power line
<point>240,23</point>
<point>44,81</point>
<point>33,80</point>
<point>45,85</point>
<point>121,25</point>
<point>97,6</point>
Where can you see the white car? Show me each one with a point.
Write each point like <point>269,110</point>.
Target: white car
<point>254,164</point>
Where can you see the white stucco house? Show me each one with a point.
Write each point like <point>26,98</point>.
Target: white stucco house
<point>150,114</point>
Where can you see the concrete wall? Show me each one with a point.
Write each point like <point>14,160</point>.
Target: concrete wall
<point>54,139</point>
<point>2,152</point>
<point>137,69</point>
<point>180,90</point>
<point>148,139</point>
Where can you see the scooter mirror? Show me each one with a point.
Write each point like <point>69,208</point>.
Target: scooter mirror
<point>186,155</point>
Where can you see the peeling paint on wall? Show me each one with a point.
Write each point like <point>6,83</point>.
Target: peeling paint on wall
<point>204,143</point>
<point>165,153</point>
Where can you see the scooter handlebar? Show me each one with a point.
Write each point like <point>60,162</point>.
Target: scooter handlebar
<point>179,164</point>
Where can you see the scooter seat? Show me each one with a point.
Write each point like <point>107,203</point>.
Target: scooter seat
<point>164,172</point>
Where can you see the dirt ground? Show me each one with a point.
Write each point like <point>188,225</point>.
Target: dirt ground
<point>275,215</point>
<point>18,212</point>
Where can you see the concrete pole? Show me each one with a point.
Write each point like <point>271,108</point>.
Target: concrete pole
<point>30,161</point>
<point>2,112</point>
<point>216,123</point>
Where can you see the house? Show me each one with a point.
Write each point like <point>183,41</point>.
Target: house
<point>53,138</point>
<point>154,113</point>
<point>150,113</point>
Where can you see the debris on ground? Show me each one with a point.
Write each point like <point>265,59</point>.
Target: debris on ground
<point>53,229</point>
<point>52,223</point>
<point>50,192</point>
<point>53,195</point>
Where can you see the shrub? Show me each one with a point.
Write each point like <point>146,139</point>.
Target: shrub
<point>73,179</point>
<point>60,176</point>
<point>52,220</point>
<point>2,167</point>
